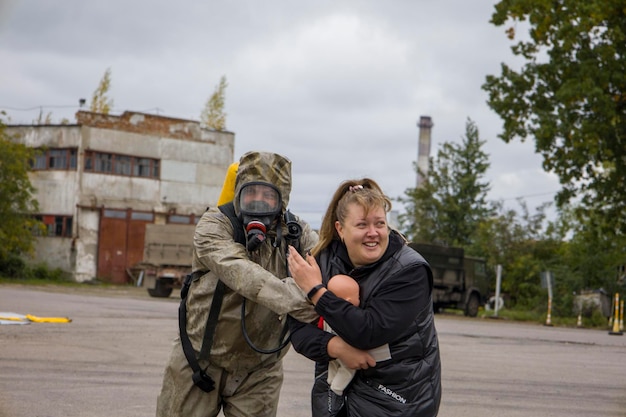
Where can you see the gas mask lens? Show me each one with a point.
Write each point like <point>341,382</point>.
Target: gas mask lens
<point>259,205</point>
<point>259,199</point>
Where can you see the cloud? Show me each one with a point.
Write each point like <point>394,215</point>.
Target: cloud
<point>338,87</point>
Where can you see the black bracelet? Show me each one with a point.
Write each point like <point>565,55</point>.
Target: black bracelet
<point>314,290</point>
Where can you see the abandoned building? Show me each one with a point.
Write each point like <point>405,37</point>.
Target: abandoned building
<point>101,180</point>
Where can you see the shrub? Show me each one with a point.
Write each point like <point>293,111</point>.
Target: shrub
<point>12,266</point>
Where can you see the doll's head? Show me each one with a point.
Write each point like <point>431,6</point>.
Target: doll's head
<point>344,286</point>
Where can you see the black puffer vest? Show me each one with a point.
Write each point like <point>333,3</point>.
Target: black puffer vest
<point>407,385</point>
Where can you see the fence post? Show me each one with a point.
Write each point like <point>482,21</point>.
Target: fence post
<point>616,331</point>
<point>498,284</point>
<point>549,316</point>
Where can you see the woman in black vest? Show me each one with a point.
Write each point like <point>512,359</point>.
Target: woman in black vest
<point>395,314</point>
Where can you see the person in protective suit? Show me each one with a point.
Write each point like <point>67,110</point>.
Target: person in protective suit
<point>237,378</point>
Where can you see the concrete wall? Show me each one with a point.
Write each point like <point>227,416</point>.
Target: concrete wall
<point>55,253</point>
<point>56,191</point>
<point>57,136</point>
<point>86,246</point>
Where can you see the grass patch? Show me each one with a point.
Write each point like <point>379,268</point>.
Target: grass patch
<point>15,270</point>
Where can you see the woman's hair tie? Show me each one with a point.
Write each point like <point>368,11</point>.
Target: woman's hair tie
<point>355,188</point>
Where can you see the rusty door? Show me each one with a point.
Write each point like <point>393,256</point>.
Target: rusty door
<point>136,236</point>
<point>112,246</point>
<point>120,243</point>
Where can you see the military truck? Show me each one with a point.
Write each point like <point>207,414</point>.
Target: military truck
<point>166,258</point>
<point>460,281</point>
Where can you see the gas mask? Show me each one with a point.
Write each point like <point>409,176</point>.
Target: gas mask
<point>259,205</point>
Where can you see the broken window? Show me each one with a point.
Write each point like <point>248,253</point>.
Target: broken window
<point>127,165</point>
<point>122,164</point>
<point>55,158</point>
<point>56,226</point>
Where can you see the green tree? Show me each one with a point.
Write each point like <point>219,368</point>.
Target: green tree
<point>213,115</point>
<point>450,204</point>
<point>17,204</point>
<point>592,256</point>
<point>569,95</point>
<point>524,245</point>
<point>100,101</point>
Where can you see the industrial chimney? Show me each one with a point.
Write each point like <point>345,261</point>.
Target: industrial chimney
<point>423,148</point>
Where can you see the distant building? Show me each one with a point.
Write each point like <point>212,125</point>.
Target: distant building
<point>101,180</point>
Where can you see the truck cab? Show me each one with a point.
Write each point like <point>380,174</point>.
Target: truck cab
<point>459,281</point>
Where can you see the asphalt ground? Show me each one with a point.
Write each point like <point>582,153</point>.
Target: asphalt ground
<point>109,360</point>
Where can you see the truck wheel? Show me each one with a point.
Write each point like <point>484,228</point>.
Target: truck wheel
<point>471,308</point>
<point>161,289</point>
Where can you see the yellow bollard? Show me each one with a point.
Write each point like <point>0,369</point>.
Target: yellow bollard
<point>616,331</point>
<point>579,322</point>
<point>621,317</point>
<point>549,316</point>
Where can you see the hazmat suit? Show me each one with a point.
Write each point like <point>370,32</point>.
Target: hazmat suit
<point>247,383</point>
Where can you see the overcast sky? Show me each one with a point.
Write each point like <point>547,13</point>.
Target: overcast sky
<point>336,86</point>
